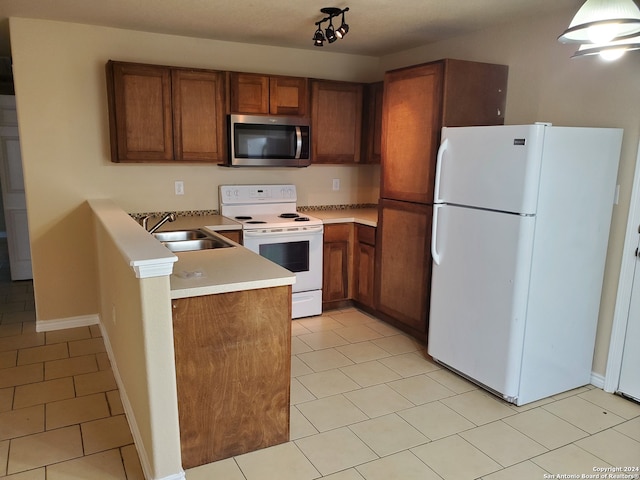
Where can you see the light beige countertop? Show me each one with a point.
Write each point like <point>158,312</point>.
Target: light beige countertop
<point>217,223</point>
<point>365,216</point>
<point>224,270</point>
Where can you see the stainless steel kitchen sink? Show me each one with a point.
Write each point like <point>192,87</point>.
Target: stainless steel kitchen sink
<point>190,240</point>
<point>179,235</point>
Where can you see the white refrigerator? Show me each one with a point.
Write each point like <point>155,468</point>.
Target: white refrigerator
<point>521,220</point>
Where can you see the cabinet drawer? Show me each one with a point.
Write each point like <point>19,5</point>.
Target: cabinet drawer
<point>337,232</point>
<point>366,234</point>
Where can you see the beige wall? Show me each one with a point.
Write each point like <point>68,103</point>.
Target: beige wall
<point>62,104</point>
<point>58,69</point>
<point>546,85</point>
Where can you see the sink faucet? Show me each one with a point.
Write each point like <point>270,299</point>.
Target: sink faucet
<point>169,217</point>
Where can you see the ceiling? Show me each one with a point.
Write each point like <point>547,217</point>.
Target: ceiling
<point>377,27</point>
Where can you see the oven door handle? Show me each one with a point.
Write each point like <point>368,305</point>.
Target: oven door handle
<point>298,142</point>
<point>282,233</point>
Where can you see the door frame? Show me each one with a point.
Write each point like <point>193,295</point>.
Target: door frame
<point>625,284</point>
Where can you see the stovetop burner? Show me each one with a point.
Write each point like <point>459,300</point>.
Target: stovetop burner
<point>289,215</point>
<point>255,221</point>
<point>301,219</point>
<point>243,217</point>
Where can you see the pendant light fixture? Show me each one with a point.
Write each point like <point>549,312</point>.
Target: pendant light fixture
<point>609,51</point>
<point>606,27</point>
<point>331,34</point>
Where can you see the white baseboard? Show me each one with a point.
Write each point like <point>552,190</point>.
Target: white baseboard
<point>128,410</point>
<point>597,380</point>
<point>71,322</point>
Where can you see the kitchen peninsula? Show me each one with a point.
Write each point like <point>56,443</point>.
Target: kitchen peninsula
<point>224,315</point>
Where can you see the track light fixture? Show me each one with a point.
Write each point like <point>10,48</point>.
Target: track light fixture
<point>331,34</point>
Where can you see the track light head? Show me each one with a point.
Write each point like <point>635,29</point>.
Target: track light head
<point>343,29</point>
<point>331,34</point>
<point>318,38</point>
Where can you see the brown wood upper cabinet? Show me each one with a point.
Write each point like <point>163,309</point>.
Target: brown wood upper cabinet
<point>372,123</point>
<point>336,121</point>
<point>418,102</point>
<point>263,94</point>
<point>163,114</point>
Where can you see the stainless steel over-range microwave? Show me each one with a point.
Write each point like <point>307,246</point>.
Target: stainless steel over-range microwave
<point>268,141</point>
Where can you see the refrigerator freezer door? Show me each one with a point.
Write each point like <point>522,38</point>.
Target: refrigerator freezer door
<point>495,167</point>
<point>479,294</point>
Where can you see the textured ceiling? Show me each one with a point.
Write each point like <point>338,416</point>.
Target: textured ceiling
<point>377,27</point>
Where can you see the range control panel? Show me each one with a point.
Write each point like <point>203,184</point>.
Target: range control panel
<point>253,194</point>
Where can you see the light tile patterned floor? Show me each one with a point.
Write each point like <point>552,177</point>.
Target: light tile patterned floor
<point>60,412</point>
<point>366,404</point>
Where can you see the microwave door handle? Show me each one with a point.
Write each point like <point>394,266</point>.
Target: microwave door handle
<point>298,142</point>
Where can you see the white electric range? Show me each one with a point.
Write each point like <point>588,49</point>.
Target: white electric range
<point>273,228</point>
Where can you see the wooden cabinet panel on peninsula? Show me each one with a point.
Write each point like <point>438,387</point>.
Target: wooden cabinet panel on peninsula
<point>233,367</point>
<point>263,94</point>
<point>418,102</point>
<point>164,114</point>
<point>336,121</point>
<point>337,264</point>
<point>364,266</point>
<point>403,264</point>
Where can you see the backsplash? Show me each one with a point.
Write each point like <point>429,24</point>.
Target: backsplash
<point>301,208</point>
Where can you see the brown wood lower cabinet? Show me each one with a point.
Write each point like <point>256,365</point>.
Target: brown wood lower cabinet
<point>364,265</point>
<point>233,366</point>
<point>403,264</point>
<point>235,235</point>
<point>337,261</point>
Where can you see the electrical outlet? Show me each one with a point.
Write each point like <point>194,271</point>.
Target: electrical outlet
<point>179,187</point>
<point>336,184</point>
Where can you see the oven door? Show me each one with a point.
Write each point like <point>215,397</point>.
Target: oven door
<point>298,250</point>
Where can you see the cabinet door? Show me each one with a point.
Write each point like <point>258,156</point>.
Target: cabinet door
<point>336,121</point>
<point>364,263</point>
<point>198,115</point>
<point>474,93</point>
<point>288,96</point>
<point>372,123</point>
<point>248,93</point>
<point>410,132</point>
<point>139,112</point>
<point>337,258</point>
<point>404,264</point>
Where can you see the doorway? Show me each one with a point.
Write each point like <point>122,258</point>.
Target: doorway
<point>623,374</point>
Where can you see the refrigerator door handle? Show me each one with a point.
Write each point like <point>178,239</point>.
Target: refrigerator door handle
<point>434,235</point>
<point>436,190</point>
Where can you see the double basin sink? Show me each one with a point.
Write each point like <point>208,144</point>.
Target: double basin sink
<point>190,240</point>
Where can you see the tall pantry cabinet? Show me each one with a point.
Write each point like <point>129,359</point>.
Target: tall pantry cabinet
<point>418,102</point>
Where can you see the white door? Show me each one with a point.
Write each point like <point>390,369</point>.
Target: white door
<point>479,285</point>
<point>630,371</point>
<point>13,195</point>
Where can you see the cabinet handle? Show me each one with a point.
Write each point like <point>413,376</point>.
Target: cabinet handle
<point>499,112</point>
